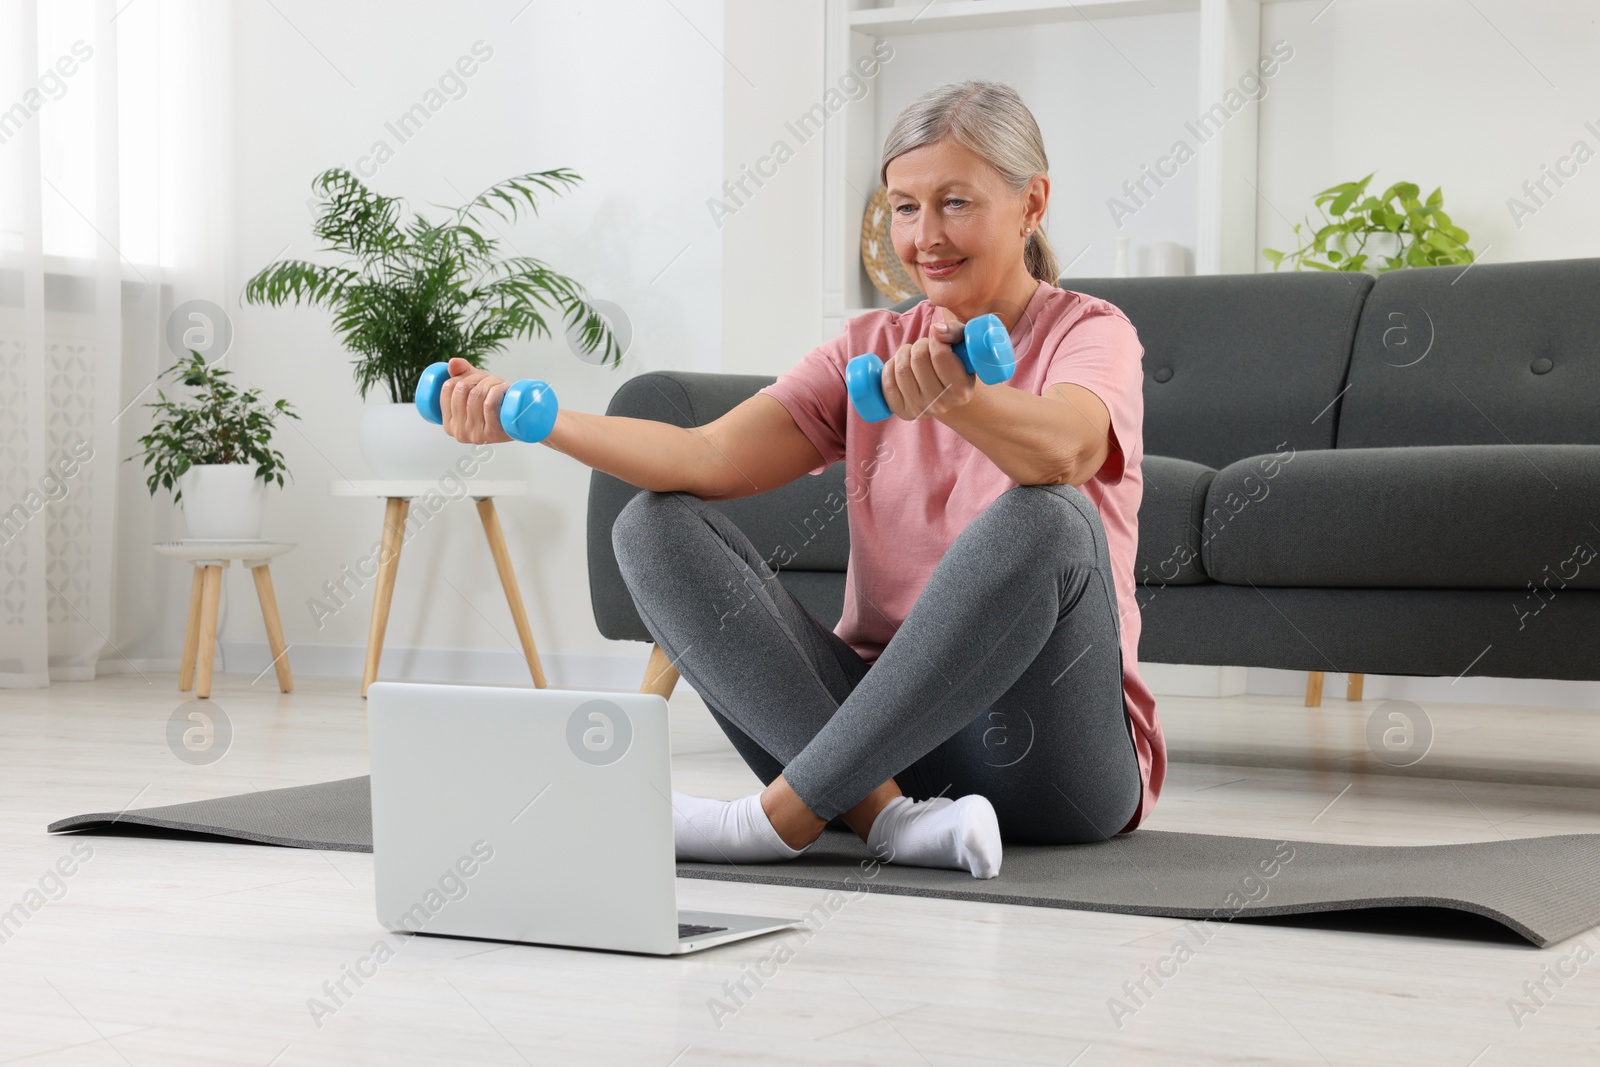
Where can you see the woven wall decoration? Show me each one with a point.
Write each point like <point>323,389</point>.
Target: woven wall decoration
<point>888,273</point>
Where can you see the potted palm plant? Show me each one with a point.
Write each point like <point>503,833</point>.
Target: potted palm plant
<point>214,451</point>
<point>409,291</point>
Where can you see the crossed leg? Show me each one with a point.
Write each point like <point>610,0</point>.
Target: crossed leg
<point>1003,682</point>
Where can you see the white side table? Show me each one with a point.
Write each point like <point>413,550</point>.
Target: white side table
<point>200,634</point>
<point>398,495</point>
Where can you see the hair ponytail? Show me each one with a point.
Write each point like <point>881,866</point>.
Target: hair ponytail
<point>1040,258</point>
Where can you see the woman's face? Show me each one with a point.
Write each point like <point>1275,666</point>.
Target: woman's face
<point>960,229</point>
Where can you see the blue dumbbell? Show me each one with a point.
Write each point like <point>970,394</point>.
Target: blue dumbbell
<point>985,351</point>
<point>527,411</point>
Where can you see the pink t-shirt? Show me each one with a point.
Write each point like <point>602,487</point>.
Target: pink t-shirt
<point>912,486</point>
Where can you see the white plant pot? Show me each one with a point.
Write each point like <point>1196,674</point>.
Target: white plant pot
<point>397,442</point>
<point>223,501</point>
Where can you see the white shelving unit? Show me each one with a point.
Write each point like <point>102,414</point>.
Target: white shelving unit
<point>1229,42</point>
<point>986,14</point>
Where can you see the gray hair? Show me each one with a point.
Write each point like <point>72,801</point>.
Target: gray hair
<point>990,119</point>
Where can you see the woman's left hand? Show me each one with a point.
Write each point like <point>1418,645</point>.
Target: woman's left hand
<point>926,378</point>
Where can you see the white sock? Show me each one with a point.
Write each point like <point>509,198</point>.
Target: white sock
<point>724,831</point>
<point>963,835</point>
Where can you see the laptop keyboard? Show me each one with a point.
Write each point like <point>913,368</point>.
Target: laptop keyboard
<point>686,930</point>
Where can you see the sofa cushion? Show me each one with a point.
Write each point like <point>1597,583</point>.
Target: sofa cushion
<point>1431,516</point>
<point>1236,365</point>
<point>1169,521</point>
<point>1497,353</point>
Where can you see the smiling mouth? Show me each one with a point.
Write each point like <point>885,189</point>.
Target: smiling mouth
<point>941,268</point>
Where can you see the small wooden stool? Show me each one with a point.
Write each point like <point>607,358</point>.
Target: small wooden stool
<point>398,495</point>
<point>200,634</point>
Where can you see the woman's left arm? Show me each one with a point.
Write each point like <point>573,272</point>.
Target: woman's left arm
<point>1060,438</point>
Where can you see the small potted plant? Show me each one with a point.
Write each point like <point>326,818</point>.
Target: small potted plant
<point>1413,232</point>
<point>214,451</point>
<point>410,291</point>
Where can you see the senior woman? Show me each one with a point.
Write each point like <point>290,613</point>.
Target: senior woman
<point>982,683</point>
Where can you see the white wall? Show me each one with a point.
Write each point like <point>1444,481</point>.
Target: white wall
<point>1470,97</point>
<point>1108,97</point>
<point>772,281</point>
<point>629,94</point>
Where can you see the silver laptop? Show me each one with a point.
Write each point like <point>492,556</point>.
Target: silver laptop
<point>536,815</point>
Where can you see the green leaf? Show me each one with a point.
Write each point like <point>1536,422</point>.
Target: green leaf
<point>1343,202</point>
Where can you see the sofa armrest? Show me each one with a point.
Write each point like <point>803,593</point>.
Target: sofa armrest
<point>803,526</point>
<point>1170,521</point>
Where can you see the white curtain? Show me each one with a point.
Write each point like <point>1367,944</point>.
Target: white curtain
<point>114,178</point>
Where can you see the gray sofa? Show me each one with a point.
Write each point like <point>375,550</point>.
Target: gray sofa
<point>1397,475</point>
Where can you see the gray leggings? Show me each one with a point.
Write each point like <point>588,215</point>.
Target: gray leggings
<point>1004,680</point>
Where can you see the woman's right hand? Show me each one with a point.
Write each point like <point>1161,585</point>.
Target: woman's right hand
<point>470,404</point>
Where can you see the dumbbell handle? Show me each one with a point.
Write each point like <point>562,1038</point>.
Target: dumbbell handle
<point>984,337</point>
<point>527,411</point>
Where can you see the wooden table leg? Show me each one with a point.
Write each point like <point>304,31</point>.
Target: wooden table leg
<point>207,645</point>
<point>191,632</point>
<point>1314,689</point>
<point>508,581</point>
<point>394,526</point>
<point>269,615</point>
<point>660,676</point>
<point>1352,686</point>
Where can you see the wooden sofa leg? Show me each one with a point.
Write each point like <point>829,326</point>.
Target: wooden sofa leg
<point>1314,689</point>
<point>660,676</point>
<point>1352,686</point>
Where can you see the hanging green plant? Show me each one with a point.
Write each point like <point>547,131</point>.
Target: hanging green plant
<point>1419,232</point>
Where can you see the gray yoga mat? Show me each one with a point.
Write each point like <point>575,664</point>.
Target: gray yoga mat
<point>1546,889</point>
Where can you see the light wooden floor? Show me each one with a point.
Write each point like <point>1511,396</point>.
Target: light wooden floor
<point>167,952</point>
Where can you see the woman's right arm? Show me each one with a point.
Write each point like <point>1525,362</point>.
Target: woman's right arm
<point>753,448</point>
